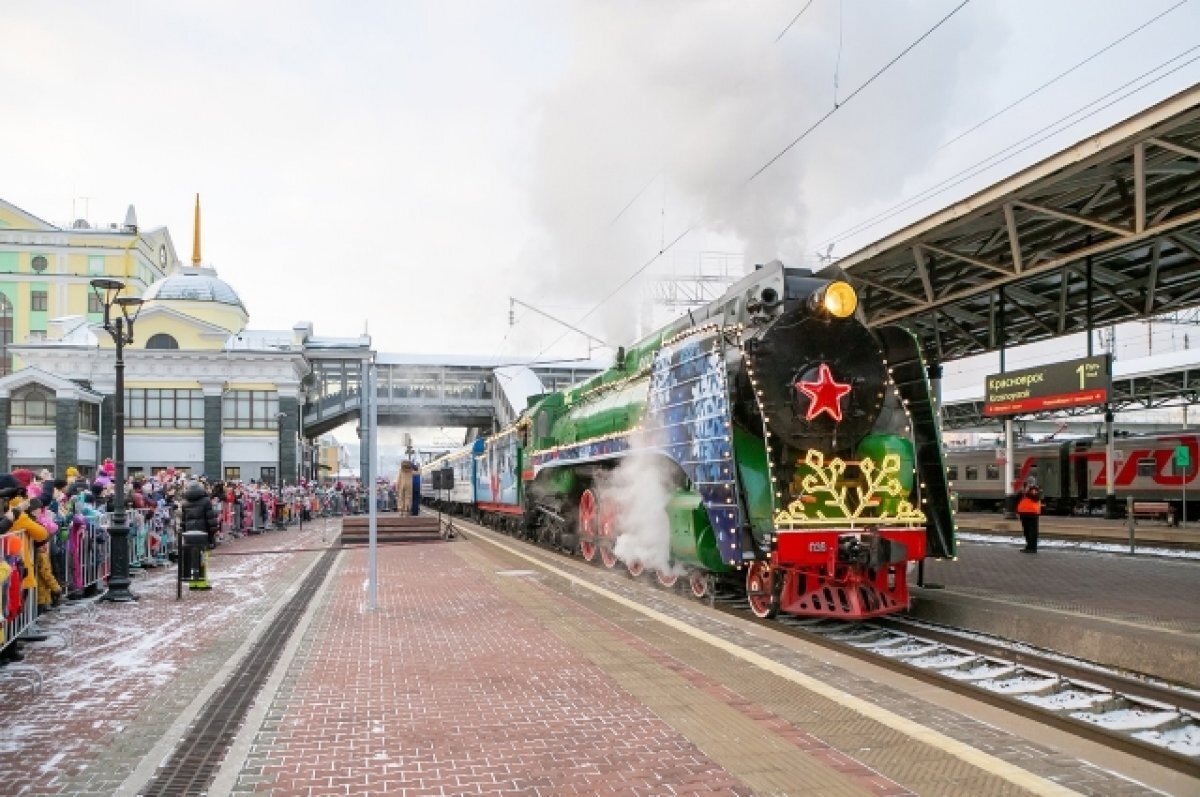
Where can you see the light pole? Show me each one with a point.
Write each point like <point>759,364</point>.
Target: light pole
<point>121,330</point>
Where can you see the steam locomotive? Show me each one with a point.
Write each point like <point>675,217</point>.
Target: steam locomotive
<point>770,441</point>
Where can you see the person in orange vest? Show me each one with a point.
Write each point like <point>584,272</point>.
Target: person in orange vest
<point>1029,509</point>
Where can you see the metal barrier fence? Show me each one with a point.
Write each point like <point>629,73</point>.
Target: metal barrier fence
<point>152,537</point>
<point>19,603</point>
<point>80,557</point>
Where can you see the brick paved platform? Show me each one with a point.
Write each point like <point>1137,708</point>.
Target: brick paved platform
<point>488,667</point>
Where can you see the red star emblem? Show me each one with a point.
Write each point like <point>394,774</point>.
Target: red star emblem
<point>825,395</point>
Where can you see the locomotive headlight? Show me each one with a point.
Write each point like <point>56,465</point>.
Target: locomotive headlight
<point>838,299</point>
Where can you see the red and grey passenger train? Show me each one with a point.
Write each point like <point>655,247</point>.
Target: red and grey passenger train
<point>1072,473</point>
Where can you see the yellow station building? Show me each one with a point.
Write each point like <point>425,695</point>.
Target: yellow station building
<point>203,392</point>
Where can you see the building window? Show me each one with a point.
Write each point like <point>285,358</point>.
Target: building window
<point>233,474</point>
<point>164,408</point>
<point>6,335</point>
<point>89,417</point>
<point>95,265</point>
<point>162,341</point>
<point>94,304</point>
<point>267,475</point>
<point>37,335</point>
<point>39,300</point>
<point>33,406</point>
<point>250,409</point>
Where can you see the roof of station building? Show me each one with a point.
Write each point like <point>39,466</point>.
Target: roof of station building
<point>194,284</point>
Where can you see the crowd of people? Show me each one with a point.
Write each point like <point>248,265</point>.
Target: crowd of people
<point>51,522</point>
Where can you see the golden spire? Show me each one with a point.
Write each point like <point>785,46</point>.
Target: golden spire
<point>196,235</point>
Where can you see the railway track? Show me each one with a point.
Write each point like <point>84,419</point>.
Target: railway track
<point>1151,720</point>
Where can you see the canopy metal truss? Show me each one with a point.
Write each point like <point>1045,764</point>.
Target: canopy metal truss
<point>1105,232</point>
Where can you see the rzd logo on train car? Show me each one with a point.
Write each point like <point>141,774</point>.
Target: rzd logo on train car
<point>817,547</point>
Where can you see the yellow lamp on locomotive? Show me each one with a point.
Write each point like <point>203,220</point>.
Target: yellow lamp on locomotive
<point>837,299</point>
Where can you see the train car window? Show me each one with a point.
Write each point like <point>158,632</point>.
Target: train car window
<point>952,472</point>
<point>1146,466</point>
<point>991,472</point>
<point>972,472</point>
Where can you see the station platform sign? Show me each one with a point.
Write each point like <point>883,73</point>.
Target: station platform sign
<point>1055,386</point>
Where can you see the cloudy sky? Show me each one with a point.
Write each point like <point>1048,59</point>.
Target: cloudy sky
<point>409,166</point>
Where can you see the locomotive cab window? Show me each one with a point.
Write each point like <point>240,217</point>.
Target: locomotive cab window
<point>1146,466</point>
<point>972,473</point>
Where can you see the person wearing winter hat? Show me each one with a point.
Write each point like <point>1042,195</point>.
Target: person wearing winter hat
<point>49,591</point>
<point>17,519</point>
<point>24,476</point>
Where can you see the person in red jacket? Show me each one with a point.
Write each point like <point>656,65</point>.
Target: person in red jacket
<point>1029,509</point>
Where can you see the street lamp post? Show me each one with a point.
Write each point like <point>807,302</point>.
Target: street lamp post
<point>121,330</point>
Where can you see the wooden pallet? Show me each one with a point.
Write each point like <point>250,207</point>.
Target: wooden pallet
<point>390,528</point>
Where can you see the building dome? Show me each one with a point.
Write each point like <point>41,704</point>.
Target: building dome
<point>194,285</point>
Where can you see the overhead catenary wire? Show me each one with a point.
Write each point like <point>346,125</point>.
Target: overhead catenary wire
<point>1064,73</point>
<point>858,90</point>
<point>1015,148</point>
<point>766,166</point>
<point>622,286</point>
<point>795,19</point>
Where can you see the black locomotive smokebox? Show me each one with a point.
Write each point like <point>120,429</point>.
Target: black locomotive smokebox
<point>819,379</point>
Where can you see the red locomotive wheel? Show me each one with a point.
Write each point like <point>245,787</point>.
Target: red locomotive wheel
<point>698,582</point>
<point>608,535</point>
<point>668,580</point>
<point>636,568</point>
<point>589,523</point>
<point>760,590</point>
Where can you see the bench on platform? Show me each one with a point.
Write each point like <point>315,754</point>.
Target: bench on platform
<point>1154,510</point>
<point>390,528</point>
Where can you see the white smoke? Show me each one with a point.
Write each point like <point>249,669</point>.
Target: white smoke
<point>639,489</point>
<point>679,102</point>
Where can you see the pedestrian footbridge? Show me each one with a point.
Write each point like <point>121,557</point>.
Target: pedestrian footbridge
<point>431,390</point>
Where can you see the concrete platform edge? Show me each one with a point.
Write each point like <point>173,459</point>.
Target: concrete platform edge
<point>1169,655</point>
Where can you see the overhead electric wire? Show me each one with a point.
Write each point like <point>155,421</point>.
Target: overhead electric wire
<point>854,93</point>
<point>1016,148</point>
<point>620,287</point>
<point>793,22</point>
<point>766,166</point>
<point>1063,74</point>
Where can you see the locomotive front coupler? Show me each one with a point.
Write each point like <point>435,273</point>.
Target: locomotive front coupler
<point>851,551</point>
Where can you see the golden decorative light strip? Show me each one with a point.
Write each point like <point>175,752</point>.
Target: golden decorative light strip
<point>880,480</point>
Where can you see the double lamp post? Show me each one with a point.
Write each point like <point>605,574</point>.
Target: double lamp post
<point>120,328</point>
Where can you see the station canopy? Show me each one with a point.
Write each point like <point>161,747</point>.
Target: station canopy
<point>1102,233</point>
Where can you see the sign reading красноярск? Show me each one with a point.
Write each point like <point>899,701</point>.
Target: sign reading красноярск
<point>1055,386</point>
